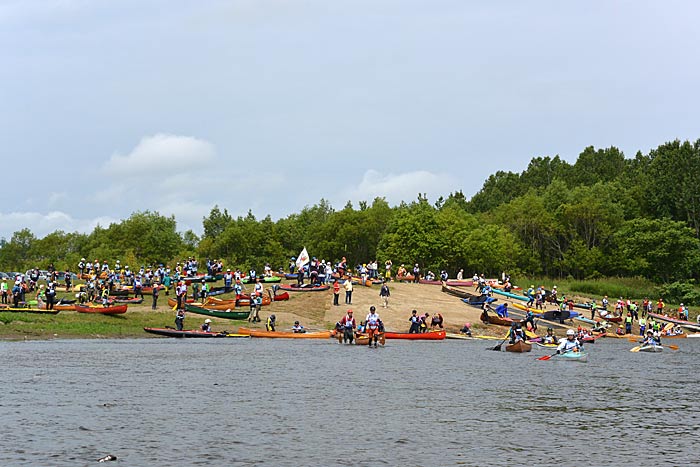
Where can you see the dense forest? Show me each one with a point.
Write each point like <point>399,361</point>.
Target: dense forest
<point>605,215</point>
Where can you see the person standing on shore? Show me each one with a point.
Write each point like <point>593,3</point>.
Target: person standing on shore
<point>156,291</point>
<point>348,290</point>
<point>3,289</point>
<point>385,293</point>
<point>180,319</point>
<point>415,323</point>
<point>336,292</point>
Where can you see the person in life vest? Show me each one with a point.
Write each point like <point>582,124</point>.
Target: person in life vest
<point>570,344</point>
<point>424,322</point>
<point>298,328</point>
<point>270,325</point>
<point>81,266</point>
<point>650,339</point>
<point>516,333</point>
<point>347,324</point>
<point>466,329</point>
<point>414,319</point>
<point>180,319</point>
<point>374,324</point>
<point>550,338</point>
<point>206,325</point>
<point>502,310</point>
<point>436,321</point>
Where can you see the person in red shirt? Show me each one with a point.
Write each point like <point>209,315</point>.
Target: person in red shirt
<point>336,292</point>
<point>347,323</point>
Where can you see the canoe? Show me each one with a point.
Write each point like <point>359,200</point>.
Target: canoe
<point>519,347</point>
<point>674,336</point>
<point>363,339</point>
<point>121,300</point>
<point>291,335</point>
<point>495,319</point>
<point>428,282</point>
<point>190,333</point>
<point>456,292</point>
<point>406,278</point>
<point>225,314</point>
<point>479,301</point>
<point>263,279</point>
<point>37,311</point>
<point>651,348</point>
<point>278,297</point>
<point>511,295</point>
<point>304,288</point>
<point>66,307</point>
<point>421,336</point>
<point>680,322</point>
<point>126,290</point>
<point>573,356</point>
<point>453,335</point>
<point>460,283</point>
<point>102,310</point>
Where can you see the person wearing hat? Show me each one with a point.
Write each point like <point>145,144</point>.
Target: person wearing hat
<point>228,280</point>
<point>570,344</point>
<point>374,326</point>
<point>347,324</point>
<point>416,273</point>
<point>549,338</point>
<point>348,290</point>
<point>651,339</point>
<point>206,326</point>
<point>298,328</point>
<point>81,266</point>
<point>205,290</point>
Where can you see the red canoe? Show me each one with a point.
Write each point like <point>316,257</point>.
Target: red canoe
<point>421,336</point>
<point>104,310</point>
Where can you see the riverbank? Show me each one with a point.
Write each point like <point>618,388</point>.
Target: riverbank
<point>313,309</point>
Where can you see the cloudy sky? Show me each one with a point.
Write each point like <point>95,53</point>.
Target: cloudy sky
<point>108,107</point>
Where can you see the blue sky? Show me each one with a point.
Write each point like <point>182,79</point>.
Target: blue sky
<point>175,106</point>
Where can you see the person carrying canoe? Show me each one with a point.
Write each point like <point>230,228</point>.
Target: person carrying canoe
<point>270,325</point>
<point>206,325</point>
<point>373,326</point>
<point>347,324</point>
<point>502,310</point>
<point>570,344</point>
<point>298,328</point>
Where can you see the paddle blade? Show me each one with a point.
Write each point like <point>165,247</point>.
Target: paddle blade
<point>635,349</point>
<point>497,348</point>
<point>546,357</point>
<point>382,339</point>
<point>672,347</point>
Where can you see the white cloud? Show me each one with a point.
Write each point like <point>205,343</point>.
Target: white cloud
<point>398,187</point>
<point>163,154</point>
<point>42,224</point>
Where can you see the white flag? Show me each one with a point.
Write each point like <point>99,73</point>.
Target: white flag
<point>302,259</point>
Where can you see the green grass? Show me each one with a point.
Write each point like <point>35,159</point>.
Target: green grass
<point>614,287</point>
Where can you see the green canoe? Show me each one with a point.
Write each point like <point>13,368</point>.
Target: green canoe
<point>264,279</point>
<point>217,313</point>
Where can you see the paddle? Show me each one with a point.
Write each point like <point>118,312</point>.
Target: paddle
<point>635,349</point>
<point>498,347</point>
<point>548,357</point>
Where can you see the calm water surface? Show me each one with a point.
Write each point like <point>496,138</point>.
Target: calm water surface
<point>167,402</point>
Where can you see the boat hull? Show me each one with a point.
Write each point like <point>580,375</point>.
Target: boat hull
<point>519,347</point>
<point>423,336</point>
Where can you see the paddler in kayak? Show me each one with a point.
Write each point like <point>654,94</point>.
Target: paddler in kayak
<point>206,325</point>
<point>298,328</point>
<point>374,325</point>
<point>570,344</point>
<point>650,339</point>
<point>347,324</point>
<point>549,338</point>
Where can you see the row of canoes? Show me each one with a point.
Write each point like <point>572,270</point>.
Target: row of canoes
<point>80,308</point>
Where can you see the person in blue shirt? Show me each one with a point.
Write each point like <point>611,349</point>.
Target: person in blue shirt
<point>502,310</point>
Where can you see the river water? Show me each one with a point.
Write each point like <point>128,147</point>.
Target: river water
<point>230,402</point>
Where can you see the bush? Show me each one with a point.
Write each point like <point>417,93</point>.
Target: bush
<point>680,292</point>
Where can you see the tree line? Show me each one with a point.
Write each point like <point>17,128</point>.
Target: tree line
<point>604,215</point>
